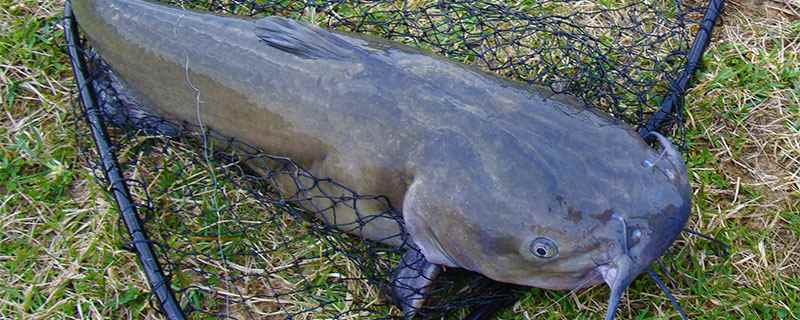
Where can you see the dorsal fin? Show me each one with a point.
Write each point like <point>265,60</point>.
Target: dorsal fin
<point>303,40</point>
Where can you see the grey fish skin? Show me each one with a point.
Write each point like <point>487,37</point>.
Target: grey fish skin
<point>518,184</point>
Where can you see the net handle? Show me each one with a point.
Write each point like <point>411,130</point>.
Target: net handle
<point>678,86</point>
<point>160,286</point>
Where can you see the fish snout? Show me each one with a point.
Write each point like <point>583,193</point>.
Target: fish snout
<point>644,238</point>
<point>644,248</point>
<point>641,241</point>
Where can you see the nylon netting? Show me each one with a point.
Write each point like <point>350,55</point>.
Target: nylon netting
<point>231,245</point>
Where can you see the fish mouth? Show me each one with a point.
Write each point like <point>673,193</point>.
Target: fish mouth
<point>620,272</point>
<point>636,258</point>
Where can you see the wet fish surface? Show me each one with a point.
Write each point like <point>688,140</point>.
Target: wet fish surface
<point>491,175</point>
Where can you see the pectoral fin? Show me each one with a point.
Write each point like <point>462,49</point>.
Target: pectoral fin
<point>412,281</point>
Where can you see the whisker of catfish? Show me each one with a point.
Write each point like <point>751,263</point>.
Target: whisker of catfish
<point>665,271</point>
<point>724,246</point>
<point>666,291</point>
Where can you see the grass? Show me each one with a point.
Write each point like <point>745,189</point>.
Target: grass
<point>61,247</point>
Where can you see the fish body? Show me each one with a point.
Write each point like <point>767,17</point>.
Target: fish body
<point>491,175</point>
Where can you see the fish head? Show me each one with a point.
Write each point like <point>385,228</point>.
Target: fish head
<point>510,228</point>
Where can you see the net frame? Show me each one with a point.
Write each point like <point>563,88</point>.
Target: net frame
<point>668,116</point>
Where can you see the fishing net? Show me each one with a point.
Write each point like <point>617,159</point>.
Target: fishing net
<point>217,238</point>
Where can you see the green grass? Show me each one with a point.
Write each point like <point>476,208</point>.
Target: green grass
<point>61,247</point>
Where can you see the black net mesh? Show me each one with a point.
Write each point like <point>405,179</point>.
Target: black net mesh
<point>232,245</point>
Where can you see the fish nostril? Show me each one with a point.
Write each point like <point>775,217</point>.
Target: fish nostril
<point>635,236</point>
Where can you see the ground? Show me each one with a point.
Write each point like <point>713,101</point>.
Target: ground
<point>61,253</point>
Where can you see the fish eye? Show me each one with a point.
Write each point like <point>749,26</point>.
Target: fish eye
<point>544,248</point>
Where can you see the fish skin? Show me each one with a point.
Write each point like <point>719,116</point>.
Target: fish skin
<point>480,166</point>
